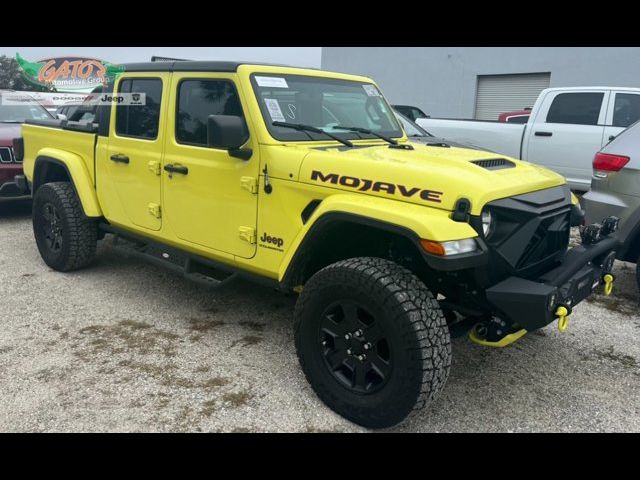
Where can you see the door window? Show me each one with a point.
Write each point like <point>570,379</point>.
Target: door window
<point>197,99</point>
<point>140,121</point>
<point>576,108</point>
<point>626,109</point>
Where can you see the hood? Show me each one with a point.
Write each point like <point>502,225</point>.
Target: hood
<point>9,131</point>
<point>426,140</point>
<point>431,176</point>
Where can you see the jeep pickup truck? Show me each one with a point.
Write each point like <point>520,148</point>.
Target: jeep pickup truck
<point>564,130</point>
<point>304,180</point>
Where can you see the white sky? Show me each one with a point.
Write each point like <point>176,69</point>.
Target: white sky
<point>295,56</point>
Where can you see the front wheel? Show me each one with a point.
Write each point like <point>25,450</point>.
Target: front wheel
<point>372,340</point>
<point>65,237</point>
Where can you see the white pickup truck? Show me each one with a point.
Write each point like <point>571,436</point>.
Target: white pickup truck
<point>566,128</point>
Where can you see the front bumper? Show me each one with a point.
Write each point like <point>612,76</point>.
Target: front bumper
<point>531,304</point>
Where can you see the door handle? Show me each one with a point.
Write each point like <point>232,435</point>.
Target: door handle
<point>119,158</point>
<point>171,168</point>
<point>543,134</point>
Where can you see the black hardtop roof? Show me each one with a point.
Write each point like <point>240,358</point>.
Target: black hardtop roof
<point>191,66</point>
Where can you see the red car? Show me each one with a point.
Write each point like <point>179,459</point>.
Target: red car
<point>12,115</point>
<point>518,116</point>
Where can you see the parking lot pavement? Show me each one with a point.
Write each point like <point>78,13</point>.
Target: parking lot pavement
<point>127,346</point>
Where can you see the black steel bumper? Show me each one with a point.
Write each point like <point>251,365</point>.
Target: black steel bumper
<point>531,304</point>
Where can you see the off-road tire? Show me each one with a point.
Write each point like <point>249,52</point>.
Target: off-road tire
<point>411,317</point>
<point>77,233</point>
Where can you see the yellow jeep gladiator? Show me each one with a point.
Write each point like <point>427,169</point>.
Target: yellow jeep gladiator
<point>305,181</point>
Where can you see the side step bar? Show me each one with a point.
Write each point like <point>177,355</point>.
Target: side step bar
<point>196,268</point>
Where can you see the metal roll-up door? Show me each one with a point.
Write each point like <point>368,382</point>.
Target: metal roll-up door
<point>497,94</point>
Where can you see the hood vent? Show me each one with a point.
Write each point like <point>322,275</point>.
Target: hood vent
<point>494,163</point>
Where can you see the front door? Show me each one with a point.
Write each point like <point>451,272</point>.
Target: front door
<point>134,154</point>
<point>210,197</point>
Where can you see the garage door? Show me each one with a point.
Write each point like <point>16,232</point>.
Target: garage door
<point>497,94</point>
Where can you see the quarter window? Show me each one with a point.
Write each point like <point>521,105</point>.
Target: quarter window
<point>197,99</point>
<point>576,108</point>
<point>140,121</point>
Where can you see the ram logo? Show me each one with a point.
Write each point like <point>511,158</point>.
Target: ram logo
<point>365,185</point>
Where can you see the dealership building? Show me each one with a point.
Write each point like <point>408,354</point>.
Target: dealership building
<point>482,82</point>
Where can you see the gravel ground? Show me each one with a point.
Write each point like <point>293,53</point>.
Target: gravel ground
<point>127,346</point>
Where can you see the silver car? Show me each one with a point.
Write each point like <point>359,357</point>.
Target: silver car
<point>615,190</point>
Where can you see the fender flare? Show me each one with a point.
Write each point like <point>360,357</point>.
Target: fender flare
<point>77,173</point>
<point>411,221</point>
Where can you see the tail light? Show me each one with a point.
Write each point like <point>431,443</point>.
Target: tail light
<point>604,162</point>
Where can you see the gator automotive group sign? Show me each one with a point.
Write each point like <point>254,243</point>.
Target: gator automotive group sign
<point>69,74</point>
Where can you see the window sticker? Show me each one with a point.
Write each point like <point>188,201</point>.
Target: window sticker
<point>274,110</point>
<point>371,90</point>
<point>276,82</point>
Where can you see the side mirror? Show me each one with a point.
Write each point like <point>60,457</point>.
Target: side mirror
<point>228,132</point>
<point>61,116</point>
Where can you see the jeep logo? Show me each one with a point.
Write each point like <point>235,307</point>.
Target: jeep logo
<point>364,185</point>
<point>278,242</point>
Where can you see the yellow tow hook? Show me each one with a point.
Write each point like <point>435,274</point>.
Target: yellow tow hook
<point>563,318</point>
<point>608,283</point>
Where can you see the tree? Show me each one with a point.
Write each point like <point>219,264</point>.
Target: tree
<point>12,78</point>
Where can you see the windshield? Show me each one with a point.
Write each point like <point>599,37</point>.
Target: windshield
<point>22,112</point>
<point>412,129</point>
<point>323,103</point>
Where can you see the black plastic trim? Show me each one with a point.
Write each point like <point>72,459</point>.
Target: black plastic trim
<point>445,264</point>
<point>309,209</point>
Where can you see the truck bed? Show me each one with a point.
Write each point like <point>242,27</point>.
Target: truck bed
<point>49,137</point>
<point>499,137</point>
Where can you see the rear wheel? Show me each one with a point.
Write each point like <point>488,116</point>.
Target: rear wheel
<point>65,237</point>
<point>371,340</point>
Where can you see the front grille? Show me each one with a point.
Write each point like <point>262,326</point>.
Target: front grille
<point>530,232</point>
<point>551,237</point>
<point>6,155</point>
<point>494,163</point>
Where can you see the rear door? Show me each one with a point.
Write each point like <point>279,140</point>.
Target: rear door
<point>213,203</point>
<point>131,186</point>
<point>623,110</point>
<point>566,133</point>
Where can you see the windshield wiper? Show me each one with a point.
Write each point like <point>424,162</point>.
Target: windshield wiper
<point>310,128</point>
<point>366,131</point>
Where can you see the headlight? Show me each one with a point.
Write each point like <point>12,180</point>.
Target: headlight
<point>487,222</point>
